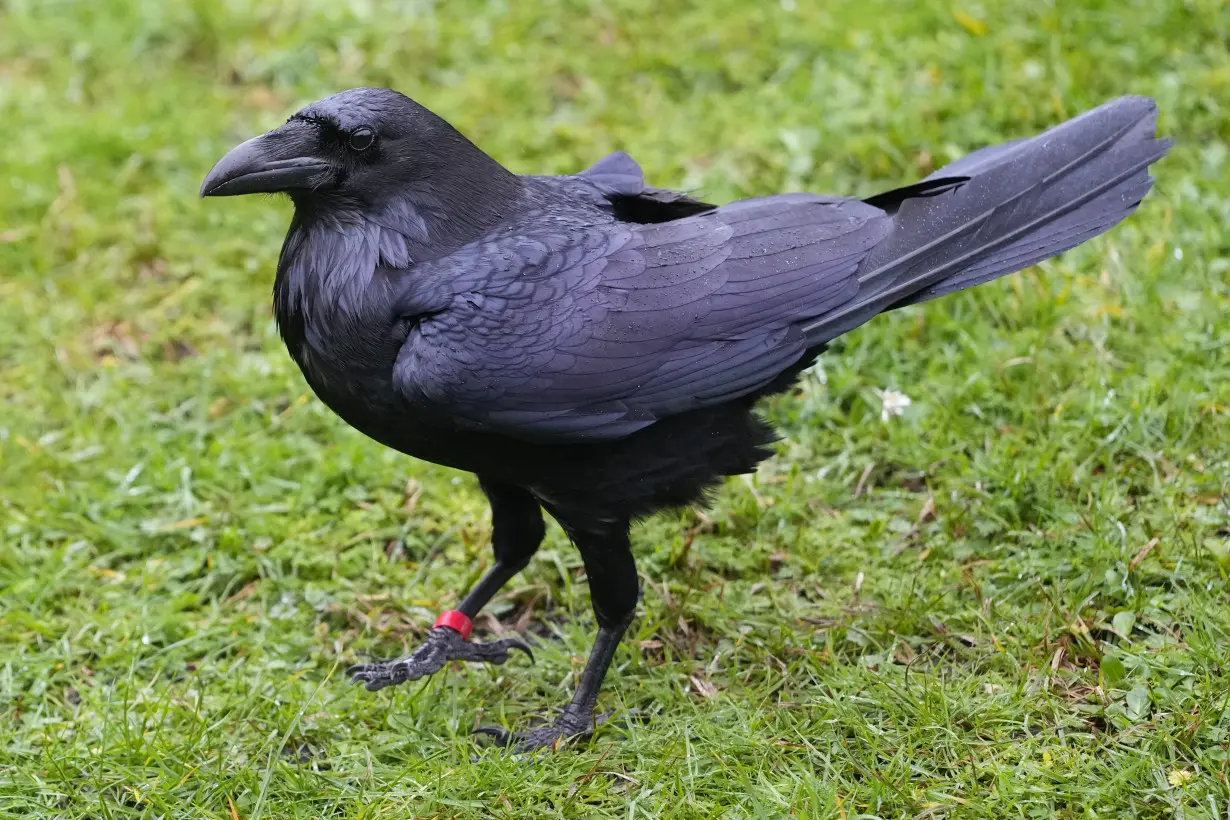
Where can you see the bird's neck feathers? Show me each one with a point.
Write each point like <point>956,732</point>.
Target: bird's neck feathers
<point>434,216</point>
<point>326,270</point>
<point>453,195</point>
<point>339,254</point>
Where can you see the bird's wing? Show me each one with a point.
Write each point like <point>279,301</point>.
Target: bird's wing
<point>593,334</point>
<point>618,180</point>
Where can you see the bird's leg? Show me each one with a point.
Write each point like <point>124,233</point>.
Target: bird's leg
<point>613,590</point>
<point>516,531</point>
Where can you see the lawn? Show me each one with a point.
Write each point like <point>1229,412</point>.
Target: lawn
<point>1010,600</point>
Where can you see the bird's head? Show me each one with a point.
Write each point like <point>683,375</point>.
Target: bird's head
<point>362,147</point>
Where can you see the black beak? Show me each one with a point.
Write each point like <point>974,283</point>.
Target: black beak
<point>280,160</point>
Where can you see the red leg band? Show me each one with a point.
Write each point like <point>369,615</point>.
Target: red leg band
<point>456,621</point>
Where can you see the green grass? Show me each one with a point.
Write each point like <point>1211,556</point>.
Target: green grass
<point>1011,601</point>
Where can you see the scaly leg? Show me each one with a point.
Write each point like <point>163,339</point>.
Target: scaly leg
<point>516,531</point>
<point>613,590</point>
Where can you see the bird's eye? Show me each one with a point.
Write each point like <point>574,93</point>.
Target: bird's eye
<point>361,139</point>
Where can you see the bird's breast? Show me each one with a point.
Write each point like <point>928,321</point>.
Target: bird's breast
<point>340,328</point>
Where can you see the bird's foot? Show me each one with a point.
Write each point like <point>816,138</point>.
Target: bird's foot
<point>572,725</point>
<point>443,644</point>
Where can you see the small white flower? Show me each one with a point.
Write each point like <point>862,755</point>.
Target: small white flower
<point>892,403</point>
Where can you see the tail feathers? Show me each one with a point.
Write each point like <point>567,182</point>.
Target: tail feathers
<point>1061,235</point>
<point>1021,202</point>
<point>979,160</point>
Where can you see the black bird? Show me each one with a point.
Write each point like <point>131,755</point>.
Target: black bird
<point>595,347</point>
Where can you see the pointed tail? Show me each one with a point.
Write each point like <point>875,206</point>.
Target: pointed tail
<point>1004,208</point>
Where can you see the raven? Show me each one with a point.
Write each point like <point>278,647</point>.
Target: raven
<point>594,347</point>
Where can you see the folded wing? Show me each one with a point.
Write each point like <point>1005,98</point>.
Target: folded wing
<point>593,335</point>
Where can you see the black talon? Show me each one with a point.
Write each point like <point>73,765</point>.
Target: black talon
<point>516,643</point>
<point>502,736</point>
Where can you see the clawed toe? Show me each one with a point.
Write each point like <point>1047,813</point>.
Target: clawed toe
<point>499,735</point>
<point>545,737</point>
<point>568,728</point>
<point>442,645</point>
<point>496,651</point>
<point>517,643</point>
<point>376,676</point>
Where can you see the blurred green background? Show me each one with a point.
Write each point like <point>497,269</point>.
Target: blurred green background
<point>1010,601</point>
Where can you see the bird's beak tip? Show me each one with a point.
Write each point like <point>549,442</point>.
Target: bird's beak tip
<point>210,185</point>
